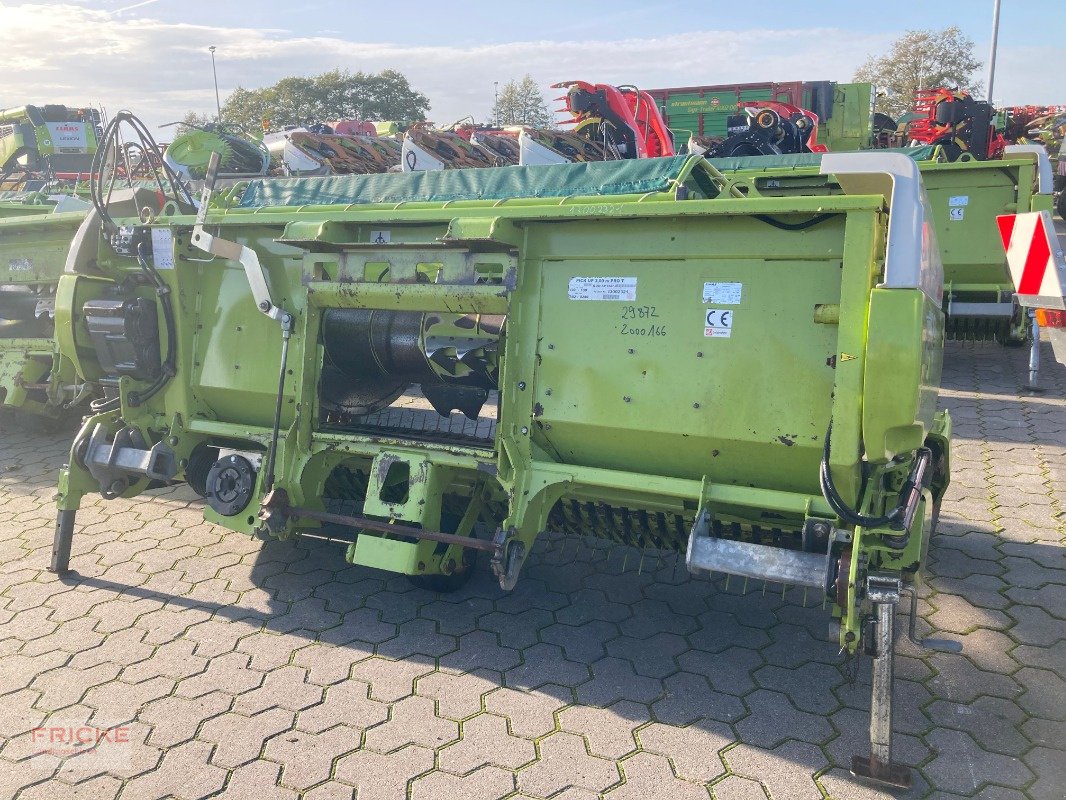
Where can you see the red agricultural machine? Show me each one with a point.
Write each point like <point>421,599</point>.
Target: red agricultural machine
<point>764,128</point>
<point>623,118</point>
<point>957,122</point>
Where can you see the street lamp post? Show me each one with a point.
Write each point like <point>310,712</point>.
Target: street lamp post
<point>214,74</point>
<point>496,102</point>
<point>992,53</point>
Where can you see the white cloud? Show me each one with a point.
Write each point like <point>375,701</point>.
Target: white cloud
<point>159,70</point>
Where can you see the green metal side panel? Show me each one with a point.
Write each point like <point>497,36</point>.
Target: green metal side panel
<point>684,125</point>
<point>715,124</point>
<point>850,125</point>
<point>33,252</point>
<point>601,394</point>
<point>33,248</point>
<point>965,197</point>
<point>757,94</point>
<point>686,104</point>
<point>634,176</point>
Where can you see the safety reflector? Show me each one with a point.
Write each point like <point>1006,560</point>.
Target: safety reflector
<point>1034,258</point>
<point>1051,318</point>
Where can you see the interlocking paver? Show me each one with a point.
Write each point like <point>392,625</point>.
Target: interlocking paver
<point>563,763</point>
<point>648,775</point>
<point>239,738</point>
<point>412,721</point>
<point>688,698</point>
<point>737,788</point>
<point>320,678</point>
<point>348,702</point>
<point>458,696</point>
<point>692,750</point>
<point>184,773</point>
<point>529,713</point>
<point>380,777</point>
<point>608,731</point>
<point>786,771</point>
<point>487,783</point>
<point>962,766</point>
<point>485,740</point>
<point>308,758</point>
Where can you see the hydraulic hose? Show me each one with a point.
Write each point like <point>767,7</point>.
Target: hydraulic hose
<point>169,363</point>
<point>167,181</point>
<point>840,507</point>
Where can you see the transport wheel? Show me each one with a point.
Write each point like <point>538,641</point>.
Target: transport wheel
<point>443,584</point>
<point>1017,332</point>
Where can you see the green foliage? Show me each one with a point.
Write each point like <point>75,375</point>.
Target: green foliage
<point>920,60</point>
<point>337,94</point>
<point>192,119</point>
<point>521,103</point>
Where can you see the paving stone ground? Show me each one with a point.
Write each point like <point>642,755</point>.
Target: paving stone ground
<point>249,670</point>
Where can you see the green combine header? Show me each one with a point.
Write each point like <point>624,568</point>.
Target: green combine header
<point>446,364</point>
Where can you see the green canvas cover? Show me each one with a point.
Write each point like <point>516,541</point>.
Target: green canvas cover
<point>636,176</point>
<point>922,153</point>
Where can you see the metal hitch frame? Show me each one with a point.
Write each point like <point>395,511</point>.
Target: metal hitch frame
<point>275,512</point>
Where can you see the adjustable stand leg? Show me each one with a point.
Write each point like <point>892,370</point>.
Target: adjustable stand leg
<point>1034,354</point>
<point>61,543</point>
<point>879,766</point>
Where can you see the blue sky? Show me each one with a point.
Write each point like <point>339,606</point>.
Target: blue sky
<point>152,57</point>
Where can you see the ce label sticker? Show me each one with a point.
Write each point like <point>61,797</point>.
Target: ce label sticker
<point>718,323</point>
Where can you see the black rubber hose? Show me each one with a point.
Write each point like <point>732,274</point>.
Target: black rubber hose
<point>168,368</point>
<point>837,503</point>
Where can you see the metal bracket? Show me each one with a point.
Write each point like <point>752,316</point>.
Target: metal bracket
<point>233,251</point>
<point>884,592</point>
<point>114,462</point>
<point>508,555</point>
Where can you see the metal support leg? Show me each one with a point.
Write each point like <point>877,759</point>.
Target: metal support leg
<point>878,766</point>
<point>1034,353</point>
<point>61,544</point>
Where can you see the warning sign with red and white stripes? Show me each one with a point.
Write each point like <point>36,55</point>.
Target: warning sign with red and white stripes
<point>1034,258</point>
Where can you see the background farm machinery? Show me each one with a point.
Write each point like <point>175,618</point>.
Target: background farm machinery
<point>40,143</point>
<point>965,198</point>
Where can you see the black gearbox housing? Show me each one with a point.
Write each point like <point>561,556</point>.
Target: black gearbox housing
<point>125,334</point>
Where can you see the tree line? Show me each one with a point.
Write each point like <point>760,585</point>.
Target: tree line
<point>340,94</point>
<point>919,59</point>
